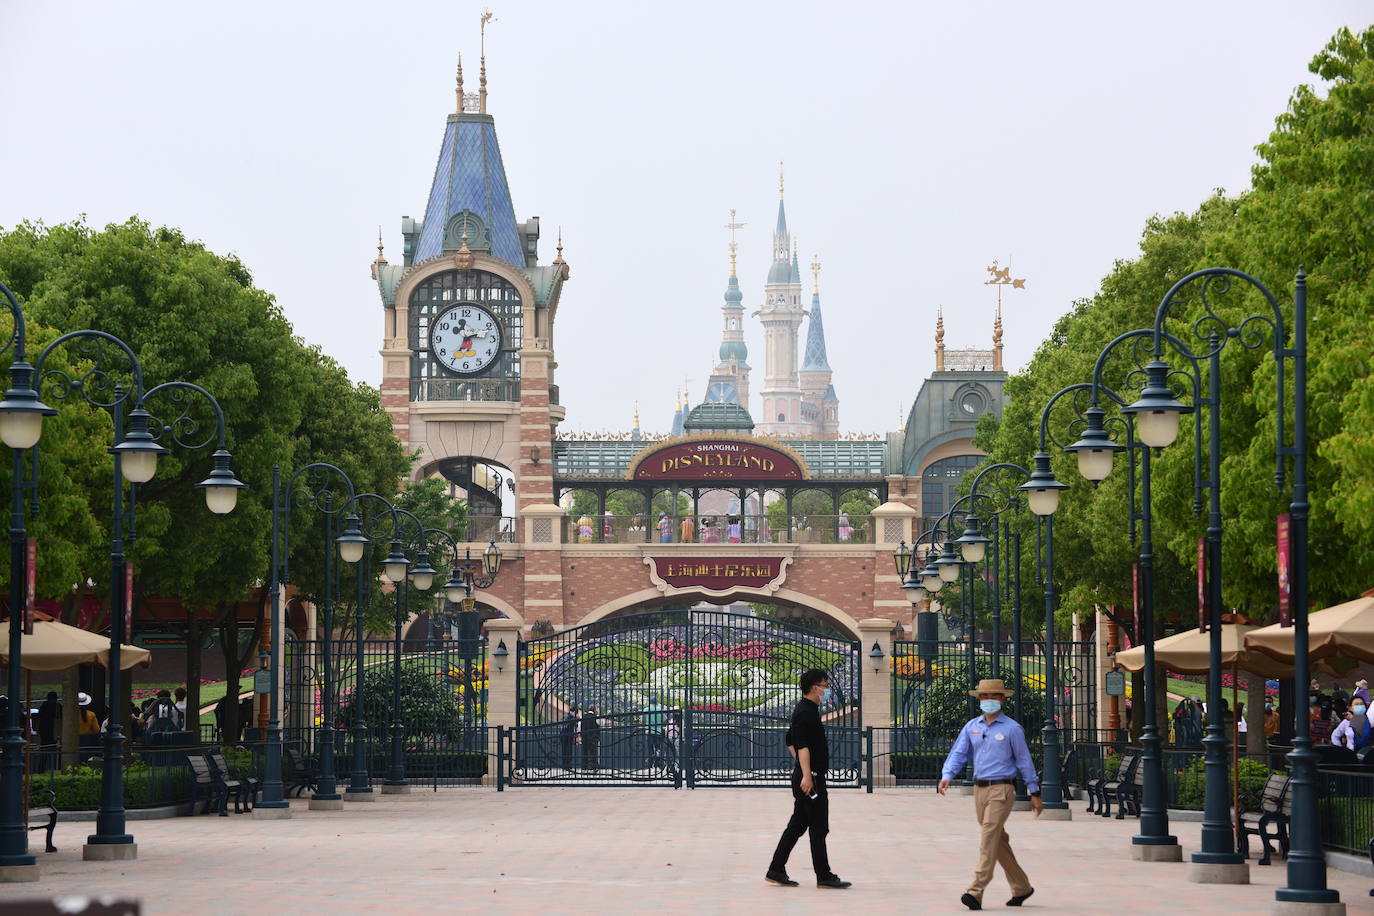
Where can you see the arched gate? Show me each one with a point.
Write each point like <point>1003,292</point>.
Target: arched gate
<point>688,697</point>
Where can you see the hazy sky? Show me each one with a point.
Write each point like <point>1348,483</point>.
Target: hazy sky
<point>921,140</point>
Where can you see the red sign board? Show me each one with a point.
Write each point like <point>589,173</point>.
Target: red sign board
<point>718,574</point>
<point>128,601</point>
<point>1135,601</point>
<point>717,459</point>
<point>30,582</point>
<point>1285,557</point>
<point>1202,584</point>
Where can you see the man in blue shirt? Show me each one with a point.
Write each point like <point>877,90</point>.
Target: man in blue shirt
<point>996,745</point>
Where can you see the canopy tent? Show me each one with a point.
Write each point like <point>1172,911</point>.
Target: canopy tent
<point>1188,653</point>
<point>55,646</point>
<point>1345,631</point>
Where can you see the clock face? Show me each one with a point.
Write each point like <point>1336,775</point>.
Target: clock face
<point>465,339</point>
<point>722,393</point>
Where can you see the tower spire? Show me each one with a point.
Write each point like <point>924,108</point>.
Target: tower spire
<point>780,179</point>
<point>482,85</point>
<point>940,339</point>
<point>815,275</point>
<point>381,255</point>
<point>458,90</point>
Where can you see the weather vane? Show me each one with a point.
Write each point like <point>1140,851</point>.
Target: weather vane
<point>1001,276</point>
<point>732,226</point>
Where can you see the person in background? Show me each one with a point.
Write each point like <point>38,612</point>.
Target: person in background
<point>90,724</point>
<point>1241,726</point>
<point>591,739</point>
<point>1271,719</point>
<point>665,528</point>
<point>49,717</point>
<point>180,703</point>
<point>687,530</point>
<point>1362,690</point>
<point>1353,732</point>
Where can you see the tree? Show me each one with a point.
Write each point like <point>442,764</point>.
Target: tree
<point>191,315</point>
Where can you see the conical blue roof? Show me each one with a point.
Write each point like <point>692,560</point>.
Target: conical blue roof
<point>470,176</point>
<point>796,269</point>
<point>815,358</point>
<point>782,219</point>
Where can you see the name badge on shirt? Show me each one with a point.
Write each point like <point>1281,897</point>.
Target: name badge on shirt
<point>1000,737</point>
<point>974,732</point>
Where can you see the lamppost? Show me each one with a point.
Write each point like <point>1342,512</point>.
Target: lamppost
<point>135,452</point>
<point>1095,450</point>
<point>1042,496</point>
<point>316,491</point>
<point>21,426</point>
<point>1157,413</point>
<point>422,577</point>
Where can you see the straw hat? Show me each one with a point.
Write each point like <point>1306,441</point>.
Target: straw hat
<point>83,699</point>
<point>991,685</point>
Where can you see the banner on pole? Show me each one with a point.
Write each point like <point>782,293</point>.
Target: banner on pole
<point>1135,602</point>
<point>1285,559</point>
<point>128,601</point>
<point>30,582</point>
<point>1202,584</point>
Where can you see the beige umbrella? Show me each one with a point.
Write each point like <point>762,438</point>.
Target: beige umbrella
<point>1187,653</point>
<point>1345,631</point>
<point>56,646</point>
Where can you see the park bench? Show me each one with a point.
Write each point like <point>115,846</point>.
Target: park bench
<point>248,784</point>
<point>48,811</point>
<point>1128,792</point>
<point>1104,788</point>
<point>305,773</point>
<point>1274,808</point>
<point>1066,765</point>
<point>223,786</point>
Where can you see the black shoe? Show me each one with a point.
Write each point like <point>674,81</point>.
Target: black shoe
<point>834,882</point>
<point>779,877</point>
<point>972,902</point>
<point>1017,901</point>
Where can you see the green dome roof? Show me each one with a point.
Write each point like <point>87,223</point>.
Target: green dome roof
<point>734,349</point>
<point>780,272</point>
<point>718,417</point>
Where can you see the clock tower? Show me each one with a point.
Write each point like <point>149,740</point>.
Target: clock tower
<point>467,327</point>
<point>729,380</point>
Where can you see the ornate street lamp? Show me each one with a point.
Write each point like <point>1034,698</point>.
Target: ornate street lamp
<point>972,543</point>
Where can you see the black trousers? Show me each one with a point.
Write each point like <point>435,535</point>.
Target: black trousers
<point>809,815</point>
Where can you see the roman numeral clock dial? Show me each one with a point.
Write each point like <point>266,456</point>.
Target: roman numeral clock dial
<point>465,339</point>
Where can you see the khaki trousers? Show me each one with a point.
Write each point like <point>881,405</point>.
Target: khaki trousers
<point>992,806</point>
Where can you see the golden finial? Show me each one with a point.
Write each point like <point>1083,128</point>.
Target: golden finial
<point>940,339</point>
<point>677,401</point>
<point>482,85</point>
<point>459,90</point>
<point>636,426</point>
<point>381,255</point>
<point>559,247</point>
<point>779,179</point>
<point>463,259</point>
<point>732,226</point>
<point>816,274</point>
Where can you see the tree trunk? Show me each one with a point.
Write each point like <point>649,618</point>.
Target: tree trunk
<point>195,636</point>
<point>1254,716</point>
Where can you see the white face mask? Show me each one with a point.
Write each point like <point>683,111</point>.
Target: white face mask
<point>990,707</point>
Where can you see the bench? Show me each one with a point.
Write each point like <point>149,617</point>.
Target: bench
<point>248,785</point>
<point>1275,806</point>
<point>1105,788</point>
<point>1097,778</point>
<point>305,773</point>
<point>222,786</point>
<point>1128,792</point>
<point>50,812</point>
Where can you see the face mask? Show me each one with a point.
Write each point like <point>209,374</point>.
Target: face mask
<point>991,707</point>
<point>828,696</point>
<point>1357,710</point>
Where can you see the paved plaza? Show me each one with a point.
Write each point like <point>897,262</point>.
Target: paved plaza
<point>632,851</point>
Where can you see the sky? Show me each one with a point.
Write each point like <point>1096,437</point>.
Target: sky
<point>921,142</point>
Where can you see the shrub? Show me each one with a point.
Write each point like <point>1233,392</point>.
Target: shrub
<point>1192,783</point>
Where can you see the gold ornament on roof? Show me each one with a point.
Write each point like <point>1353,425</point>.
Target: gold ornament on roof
<point>816,274</point>
<point>1001,276</point>
<point>463,260</point>
<point>734,247</point>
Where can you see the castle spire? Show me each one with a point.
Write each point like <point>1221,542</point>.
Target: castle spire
<point>997,340</point>
<point>814,358</point>
<point>940,339</point>
<point>816,275</point>
<point>734,247</point>
<point>458,91</point>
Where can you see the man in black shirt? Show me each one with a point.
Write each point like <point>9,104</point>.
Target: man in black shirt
<point>811,804</point>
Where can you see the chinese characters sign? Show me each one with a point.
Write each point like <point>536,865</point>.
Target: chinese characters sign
<point>1285,571</point>
<point>717,460</point>
<point>718,575</point>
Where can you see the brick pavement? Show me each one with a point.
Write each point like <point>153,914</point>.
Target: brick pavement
<point>631,851</point>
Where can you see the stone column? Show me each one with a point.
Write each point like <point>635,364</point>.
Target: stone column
<point>503,695</point>
<point>875,687</point>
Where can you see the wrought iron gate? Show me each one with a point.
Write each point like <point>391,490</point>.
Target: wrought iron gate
<point>693,698</point>
<point>443,704</point>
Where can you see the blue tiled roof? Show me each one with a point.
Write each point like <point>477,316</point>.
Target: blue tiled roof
<point>471,176</point>
<point>815,339</point>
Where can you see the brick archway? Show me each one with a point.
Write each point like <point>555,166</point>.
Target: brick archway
<point>782,595</point>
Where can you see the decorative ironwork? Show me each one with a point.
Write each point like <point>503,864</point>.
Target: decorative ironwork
<point>697,697</point>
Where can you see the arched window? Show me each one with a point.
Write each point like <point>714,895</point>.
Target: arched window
<point>782,418</point>
<point>940,483</point>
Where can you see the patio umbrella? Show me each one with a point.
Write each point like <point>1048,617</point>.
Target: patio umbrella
<point>55,646</point>
<point>1187,653</point>
<point>1345,631</point>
